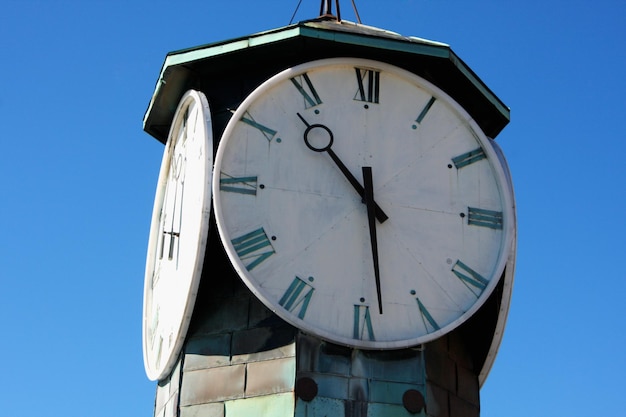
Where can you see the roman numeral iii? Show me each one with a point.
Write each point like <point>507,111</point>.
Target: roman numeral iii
<point>368,85</point>
<point>468,158</point>
<point>484,218</point>
<point>253,247</point>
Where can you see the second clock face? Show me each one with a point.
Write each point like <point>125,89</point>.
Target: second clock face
<point>178,235</point>
<point>362,204</point>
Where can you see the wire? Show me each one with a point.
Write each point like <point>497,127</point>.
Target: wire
<point>356,12</point>
<point>296,11</point>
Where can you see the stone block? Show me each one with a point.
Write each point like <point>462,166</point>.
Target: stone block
<point>400,366</point>
<point>223,316</point>
<point>437,401</point>
<point>260,314</point>
<point>270,377</point>
<point>162,395</point>
<point>467,386</point>
<point>167,392</point>
<point>277,405</point>
<point>358,389</point>
<point>331,386</point>
<point>212,385</point>
<point>307,350</point>
<point>334,359</point>
<point>390,392</point>
<point>203,410</point>
<point>171,407</point>
<point>440,369</point>
<point>385,410</point>
<point>320,407</point>
<point>207,351</point>
<point>462,408</point>
<point>458,349</point>
<point>263,343</point>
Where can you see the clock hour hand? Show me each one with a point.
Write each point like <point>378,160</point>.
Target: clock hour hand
<point>311,143</point>
<point>371,220</point>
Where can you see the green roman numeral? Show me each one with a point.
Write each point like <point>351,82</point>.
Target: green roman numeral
<point>468,158</point>
<point>311,98</point>
<point>266,131</point>
<point>425,110</point>
<point>254,247</point>
<point>470,278</point>
<point>363,323</point>
<point>298,294</point>
<point>369,85</point>
<point>484,218</point>
<point>427,317</point>
<point>239,185</point>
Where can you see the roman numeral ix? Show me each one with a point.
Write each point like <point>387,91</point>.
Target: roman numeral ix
<point>468,158</point>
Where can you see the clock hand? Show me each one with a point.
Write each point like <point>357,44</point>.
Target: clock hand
<point>371,220</point>
<point>380,214</point>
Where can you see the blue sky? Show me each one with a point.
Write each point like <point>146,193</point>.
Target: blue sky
<point>78,174</point>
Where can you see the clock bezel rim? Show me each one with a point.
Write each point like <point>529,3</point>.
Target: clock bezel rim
<point>485,142</point>
<point>153,372</point>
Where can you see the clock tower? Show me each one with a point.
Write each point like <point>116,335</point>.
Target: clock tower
<point>334,227</point>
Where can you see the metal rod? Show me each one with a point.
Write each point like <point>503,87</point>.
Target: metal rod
<point>356,12</point>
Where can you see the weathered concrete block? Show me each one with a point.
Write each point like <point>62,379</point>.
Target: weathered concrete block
<point>467,386</point>
<point>224,315</point>
<point>263,343</point>
<point>390,410</point>
<point>320,407</point>
<point>270,377</point>
<point>214,384</point>
<point>331,386</point>
<point>171,407</point>
<point>390,392</point>
<point>437,401</point>
<point>203,410</point>
<point>278,405</point>
<point>440,368</point>
<point>458,349</point>
<point>167,393</point>
<point>400,366</point>
<point>207,351</point>
<point>462,408</point>
<point>358,389</point>
<point>260,314</point>
<point>335,359</point>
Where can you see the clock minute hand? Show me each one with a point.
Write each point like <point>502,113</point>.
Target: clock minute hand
<point>380,214</point>
<point>371,221</point>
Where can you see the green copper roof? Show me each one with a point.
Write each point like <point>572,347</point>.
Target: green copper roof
<point>256,57</point>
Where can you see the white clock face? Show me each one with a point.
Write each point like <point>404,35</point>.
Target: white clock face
<point>361,204</point>
<point>178,234</point>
